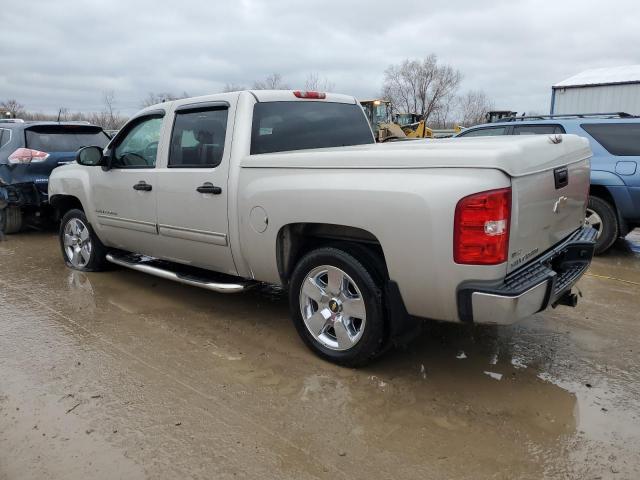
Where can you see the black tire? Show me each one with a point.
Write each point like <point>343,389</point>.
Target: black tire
<point>10,220</point>
<point>609,229</point>
<point>98,252</point>
<point>371,341</point>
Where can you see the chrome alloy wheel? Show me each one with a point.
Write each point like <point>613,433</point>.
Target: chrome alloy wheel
<point>77,243</point>
<point>332,308</point>
<point>593,220</point>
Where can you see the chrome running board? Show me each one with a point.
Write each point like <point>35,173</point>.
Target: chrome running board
<point>150,265</point>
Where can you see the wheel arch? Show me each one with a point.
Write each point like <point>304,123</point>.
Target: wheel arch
<point>64,203</point>
<point>296,239</point>
<point>603,193</point>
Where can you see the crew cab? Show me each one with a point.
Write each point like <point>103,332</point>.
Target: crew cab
<point>289,188</point>
<point>29,151</point>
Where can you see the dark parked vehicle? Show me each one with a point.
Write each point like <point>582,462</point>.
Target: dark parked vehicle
<point>29,151</point>
<point>614,194</point>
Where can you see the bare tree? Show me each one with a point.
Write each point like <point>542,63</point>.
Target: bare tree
<point>316,84</point>
<point>474,106</point>
<point>154,98</point>
<point>273,81</point>
<point>420,86</point>
<point>15,108</point>
<point>232,87</point>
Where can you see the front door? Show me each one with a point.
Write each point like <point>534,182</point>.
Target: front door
<point>192,189</point>
<point>125,195</point>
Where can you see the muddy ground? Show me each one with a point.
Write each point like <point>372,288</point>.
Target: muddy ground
<point>122,375</point>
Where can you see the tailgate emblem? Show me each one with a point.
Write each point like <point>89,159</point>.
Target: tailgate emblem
<point>559,203</point>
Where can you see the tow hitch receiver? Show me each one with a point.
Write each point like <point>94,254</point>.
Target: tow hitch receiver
<point>569,299</point>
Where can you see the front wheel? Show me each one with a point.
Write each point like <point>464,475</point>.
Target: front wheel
<point>81,248</point>
<point>602,217</point>
<point>337,307</point>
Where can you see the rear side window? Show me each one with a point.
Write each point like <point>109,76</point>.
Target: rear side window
<point>285,126</point>
<point>621,139</point>
<point>485,132</point>
<point>537,129</point>
<point>198,137</point>
<point>64,138</point>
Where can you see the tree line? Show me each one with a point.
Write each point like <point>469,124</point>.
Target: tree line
<point>426,87</point>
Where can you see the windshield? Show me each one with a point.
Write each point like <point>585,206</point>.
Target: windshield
<point>64,138</point>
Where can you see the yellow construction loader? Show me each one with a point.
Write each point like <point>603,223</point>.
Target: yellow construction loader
<point>387,126</point>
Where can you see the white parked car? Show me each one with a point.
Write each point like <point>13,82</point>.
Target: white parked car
<point>289,188</point>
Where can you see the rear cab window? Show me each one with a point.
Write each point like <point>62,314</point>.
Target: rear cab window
<point>620,139</point>
<point>286,126</point>
<point>64,138</point>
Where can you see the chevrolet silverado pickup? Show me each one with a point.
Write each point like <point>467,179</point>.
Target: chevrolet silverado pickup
<point>232,190</point>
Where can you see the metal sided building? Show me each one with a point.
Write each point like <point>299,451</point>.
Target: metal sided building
<point>615,89</point>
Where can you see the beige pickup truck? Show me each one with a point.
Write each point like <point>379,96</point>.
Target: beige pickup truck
<point>289,188</point>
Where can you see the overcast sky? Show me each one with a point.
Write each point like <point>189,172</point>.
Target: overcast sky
<point>65,53</point>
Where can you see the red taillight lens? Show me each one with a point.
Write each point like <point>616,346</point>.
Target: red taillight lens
<point>27,155</point>
<point>481,228</point>
<point>314,95</point>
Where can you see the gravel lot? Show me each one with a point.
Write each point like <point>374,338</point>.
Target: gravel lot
<point>122,375</point>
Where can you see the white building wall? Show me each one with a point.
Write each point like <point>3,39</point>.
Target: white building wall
<point>597,99</point>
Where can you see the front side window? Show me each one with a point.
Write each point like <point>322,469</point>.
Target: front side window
<point>287,126</point>
<point>198,137</point>
<point>139,147</point>
<point>485,132</point>
<point>537,130</point>
<point>620,139</point>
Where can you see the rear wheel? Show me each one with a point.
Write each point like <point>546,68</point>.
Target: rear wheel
<point>337,307</point>
<point>10,220</point>
<point>602,217</point>
<point>81,248</point>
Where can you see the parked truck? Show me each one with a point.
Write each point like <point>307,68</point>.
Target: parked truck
<point>289,188</point>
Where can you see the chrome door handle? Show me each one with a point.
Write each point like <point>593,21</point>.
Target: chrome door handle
<point>209,188</point>
<point>143,186</point>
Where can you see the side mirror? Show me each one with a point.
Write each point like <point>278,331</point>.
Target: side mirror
<point>89,156</point>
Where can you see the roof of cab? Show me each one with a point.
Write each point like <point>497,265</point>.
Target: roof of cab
<point>259,95</point>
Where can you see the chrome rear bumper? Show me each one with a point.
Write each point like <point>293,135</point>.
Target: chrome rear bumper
<point>531,288</point>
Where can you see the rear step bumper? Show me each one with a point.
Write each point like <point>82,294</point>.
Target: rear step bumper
<point>158,268</point>
<point>545,281</point>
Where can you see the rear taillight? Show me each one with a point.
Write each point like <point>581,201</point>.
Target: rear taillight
<point>313,95</point>
<point>481,228</point>
<point>27,155</point>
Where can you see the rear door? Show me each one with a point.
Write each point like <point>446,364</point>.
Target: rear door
<point>192,188</point>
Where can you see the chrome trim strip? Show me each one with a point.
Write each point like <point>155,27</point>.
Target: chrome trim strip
<point>169,275</point>
<point>127,223</point>
<point>126,220</point>
<point>193,234</point>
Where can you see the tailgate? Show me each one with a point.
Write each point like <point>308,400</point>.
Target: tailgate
<point>547,207</point>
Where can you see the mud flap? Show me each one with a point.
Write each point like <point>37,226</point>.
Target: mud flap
<point>402,327</point>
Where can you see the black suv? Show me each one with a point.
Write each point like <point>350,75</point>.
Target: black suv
<point>29,151</point>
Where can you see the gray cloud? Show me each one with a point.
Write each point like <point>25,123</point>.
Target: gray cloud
<point>66,52</point>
